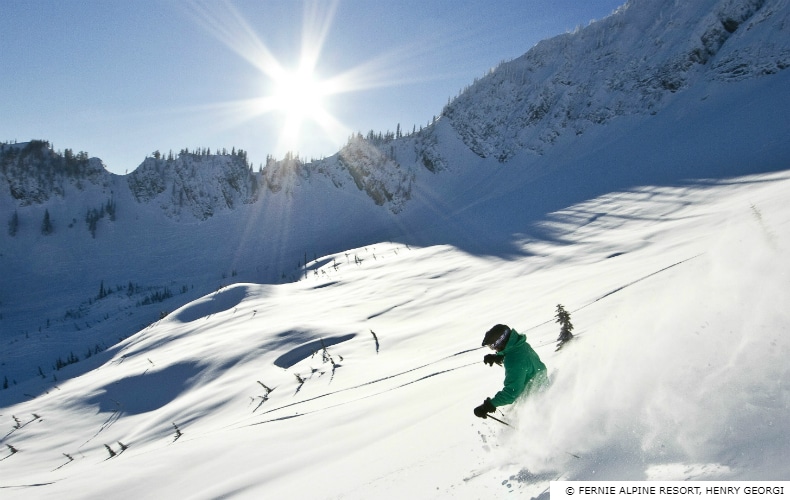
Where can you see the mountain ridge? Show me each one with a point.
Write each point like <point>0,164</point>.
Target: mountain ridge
<point>571,82</point>
<point>523,104</point>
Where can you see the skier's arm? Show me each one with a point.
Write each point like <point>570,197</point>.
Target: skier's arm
<point>516,378</point>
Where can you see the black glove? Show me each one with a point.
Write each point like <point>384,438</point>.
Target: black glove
<point>484,409</point>
<point>490,359</point>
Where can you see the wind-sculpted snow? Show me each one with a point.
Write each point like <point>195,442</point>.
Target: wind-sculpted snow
<point>629,63</point>
<point>221,300</point>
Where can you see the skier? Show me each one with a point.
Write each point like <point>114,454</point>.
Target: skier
<point>523,367</point>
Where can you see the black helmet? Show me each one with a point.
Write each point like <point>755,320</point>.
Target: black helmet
<point>497,336</point>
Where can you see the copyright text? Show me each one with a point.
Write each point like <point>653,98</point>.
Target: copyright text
<point>670,489</point>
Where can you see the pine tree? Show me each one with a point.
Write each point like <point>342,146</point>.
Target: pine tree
<point>110,207</point>
<point>46,225</point>
<point>563,317</point>
<point>13,224</point>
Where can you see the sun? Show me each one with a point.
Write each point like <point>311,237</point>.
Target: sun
<point>293,91</point>
<point>299,97</point>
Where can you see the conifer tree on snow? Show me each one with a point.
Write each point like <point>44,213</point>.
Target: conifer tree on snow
<point>46,225</point>
<point>563,317</point>
<point>13,224</point>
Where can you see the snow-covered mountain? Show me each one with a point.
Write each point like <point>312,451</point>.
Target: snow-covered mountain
<point>33,173</point>
<point>587,127</point>
<point>632,63</point>
<point>197,184</point>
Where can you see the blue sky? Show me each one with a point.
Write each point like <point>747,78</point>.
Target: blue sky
<point>122,79</point>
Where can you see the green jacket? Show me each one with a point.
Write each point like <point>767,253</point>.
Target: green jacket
<point>522,364</point>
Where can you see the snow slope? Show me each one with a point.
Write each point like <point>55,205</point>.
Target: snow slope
<point>678,296</point>
<point>656,94</point>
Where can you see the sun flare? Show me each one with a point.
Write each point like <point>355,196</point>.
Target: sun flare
<point>293,90</point>
<point>299,95</point>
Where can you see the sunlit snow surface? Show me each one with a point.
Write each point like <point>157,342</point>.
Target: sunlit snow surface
<point>359,379</point>
<point>679,300</point>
